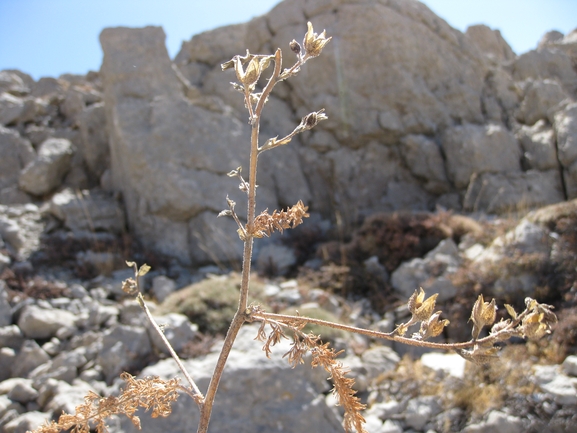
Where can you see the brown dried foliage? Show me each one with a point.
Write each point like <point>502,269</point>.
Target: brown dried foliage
<point>151,393</point>
<point>323,356</point>
<point>265,224</point>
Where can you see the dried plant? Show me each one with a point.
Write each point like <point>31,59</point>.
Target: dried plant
<point>152,393</point>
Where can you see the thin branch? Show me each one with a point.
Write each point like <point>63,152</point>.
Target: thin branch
<point>197,395</point>
<point>284,318</point>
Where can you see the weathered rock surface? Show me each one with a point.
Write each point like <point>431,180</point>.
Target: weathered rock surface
<point>177,171</point>
<point>48,169</point>
<point>430,272</point>
<point>16,154</point>
<point>473,149</point>
<point>444,111</point>
<point>37,322</point>
<point>88,211</point>
<point>490,42</point>
<point>566,129</point>
<point>500,192</point>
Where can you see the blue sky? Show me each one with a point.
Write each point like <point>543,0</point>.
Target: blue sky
<point>52,37</point>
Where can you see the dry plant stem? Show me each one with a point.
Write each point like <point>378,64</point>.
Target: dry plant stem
<point>196,394</point>
<point>240,315</point>
<point>282,319</point>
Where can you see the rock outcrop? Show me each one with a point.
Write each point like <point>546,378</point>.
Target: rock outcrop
<point>420,115</point>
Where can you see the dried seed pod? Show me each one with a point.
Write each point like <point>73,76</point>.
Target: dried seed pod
<point>314,43</point>
<point>295,47</point>
<point>433,327</point>
<point>129,286</point>
<point>483,314</point>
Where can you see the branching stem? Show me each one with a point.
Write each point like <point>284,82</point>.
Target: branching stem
<point>196,394</point>
<point>283,319</point>
<point>240,316</point>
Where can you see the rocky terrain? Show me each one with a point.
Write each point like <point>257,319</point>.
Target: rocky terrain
<point>448,162</point>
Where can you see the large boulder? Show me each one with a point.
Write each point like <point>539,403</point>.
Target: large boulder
<point>169,156</point>
<point>566,129</point>
<point>490,42</point>
<point>546,63</point>
<point>429,76</point>
<point>499,193</point>
<point>542,99</point>
<point>539,146</point>
<point>94,148</point>
<point>16,153</point>
<point>476,149</point>
<point>46,172</point>
<point>88,211</point>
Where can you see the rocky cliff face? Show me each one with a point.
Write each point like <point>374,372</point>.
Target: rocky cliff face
<point>420,115</point>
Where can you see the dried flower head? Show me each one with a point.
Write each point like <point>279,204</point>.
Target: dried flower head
<point>483,314</point>
<point>129,286</point>
<point>433,326</point>
<point>311,120</point>
<point>256,65</point>
<point>420,308</point>
<point>265,224</point>
<point>313,43</point>
<point>539,320</point>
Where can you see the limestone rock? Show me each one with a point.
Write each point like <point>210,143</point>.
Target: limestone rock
<point>27,422</point>
<point>275,259</point>
<point>11,108</point>
<point>471,149</point>
<point>542,98</point>
<point>37,322</point>
<point>5,308</point>
<point>423,157</point>
<point>7,356</point>
<point>539,146</point>
<point>378,360</point>
<point>16,153</point>
<point>22,391</point>
<point>177,171</point>
<point>403,35</point>
<point>497,422</point>
<point>430,272</point>
<point>566,129</point>
<point>450,363</point>
<point>490,42</point>
<point>15,82</point>
<point>550,38</point>
<point>123,348</point>
<point>546,63</point>
<point>48,169</point>
<point>499,193</point>
<point>528,238</point>
<point>94,144</point>
<point>421,410</point>
<point>162,286</point>
<point>30,356</point>
<point>21,227</point>
<point>11,336</point>
<point>66,397</point>
<point>88,211</point>
<point>569,365</point>
<point>562,387</point>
